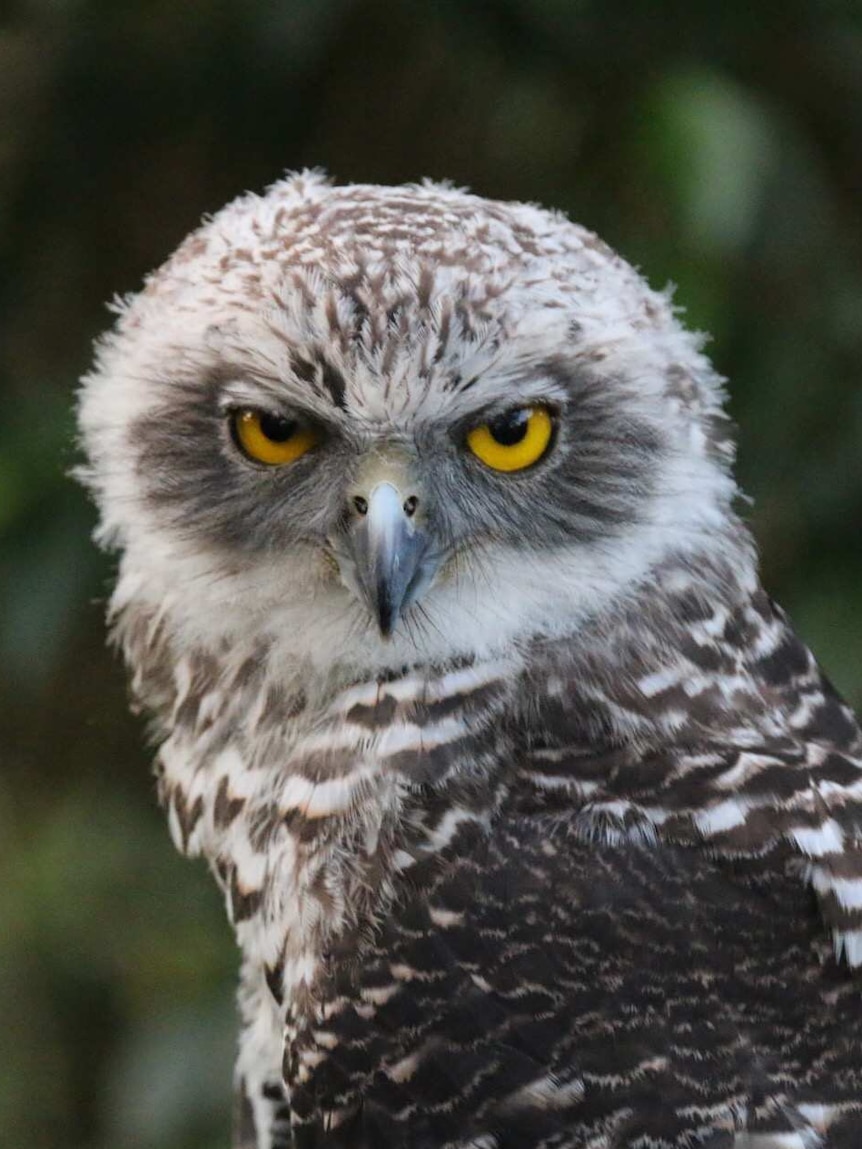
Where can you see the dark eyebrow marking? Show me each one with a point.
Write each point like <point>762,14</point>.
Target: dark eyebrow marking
<point>334,382</point>
<point>307,370</point>
<point>302,368</point>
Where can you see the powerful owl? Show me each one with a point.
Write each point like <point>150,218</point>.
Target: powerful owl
<point>536,822</point>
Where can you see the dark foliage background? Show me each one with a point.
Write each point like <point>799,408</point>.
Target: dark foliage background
<point>716,145</point>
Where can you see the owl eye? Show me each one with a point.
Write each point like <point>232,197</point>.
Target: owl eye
<point>514,440</point>
<point>272,439</point>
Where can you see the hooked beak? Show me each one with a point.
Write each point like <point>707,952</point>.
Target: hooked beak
<point>389,562</point>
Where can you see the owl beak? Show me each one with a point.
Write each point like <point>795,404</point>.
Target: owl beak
<point>390,563</point>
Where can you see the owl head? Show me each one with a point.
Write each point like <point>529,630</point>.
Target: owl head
<point>384,426</point>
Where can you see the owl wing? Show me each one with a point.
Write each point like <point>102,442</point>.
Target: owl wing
<point>538,990</point>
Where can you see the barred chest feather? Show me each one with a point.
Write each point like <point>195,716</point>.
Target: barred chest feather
<point>311,803</point>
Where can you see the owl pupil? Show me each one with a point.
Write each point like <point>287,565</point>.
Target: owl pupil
<point>277,428</point>
<point>510,428</point>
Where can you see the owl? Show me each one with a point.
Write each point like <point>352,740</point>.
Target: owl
<point>536,823</point>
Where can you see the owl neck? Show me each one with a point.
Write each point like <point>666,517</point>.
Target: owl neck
<point>313,801</point>
<point>304,796</point>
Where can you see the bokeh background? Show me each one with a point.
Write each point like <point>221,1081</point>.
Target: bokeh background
<point>717,145</point>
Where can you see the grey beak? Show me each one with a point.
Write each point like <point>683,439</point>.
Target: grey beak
<point>391,560</point>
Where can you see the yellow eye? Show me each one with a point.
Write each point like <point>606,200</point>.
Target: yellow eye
<point>513,440</point>
<point>272,439</point>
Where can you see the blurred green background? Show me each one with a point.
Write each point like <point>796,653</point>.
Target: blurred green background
<point>717,145</point>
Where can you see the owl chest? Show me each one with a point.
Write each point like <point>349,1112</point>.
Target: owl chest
<point>309,815</point>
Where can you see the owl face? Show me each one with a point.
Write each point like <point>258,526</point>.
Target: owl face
<point>397,424</point>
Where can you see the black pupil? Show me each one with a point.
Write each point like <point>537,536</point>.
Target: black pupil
<point>278,428</point>
<point>510,428</point>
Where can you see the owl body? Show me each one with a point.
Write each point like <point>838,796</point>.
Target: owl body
<point>431,579</point>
